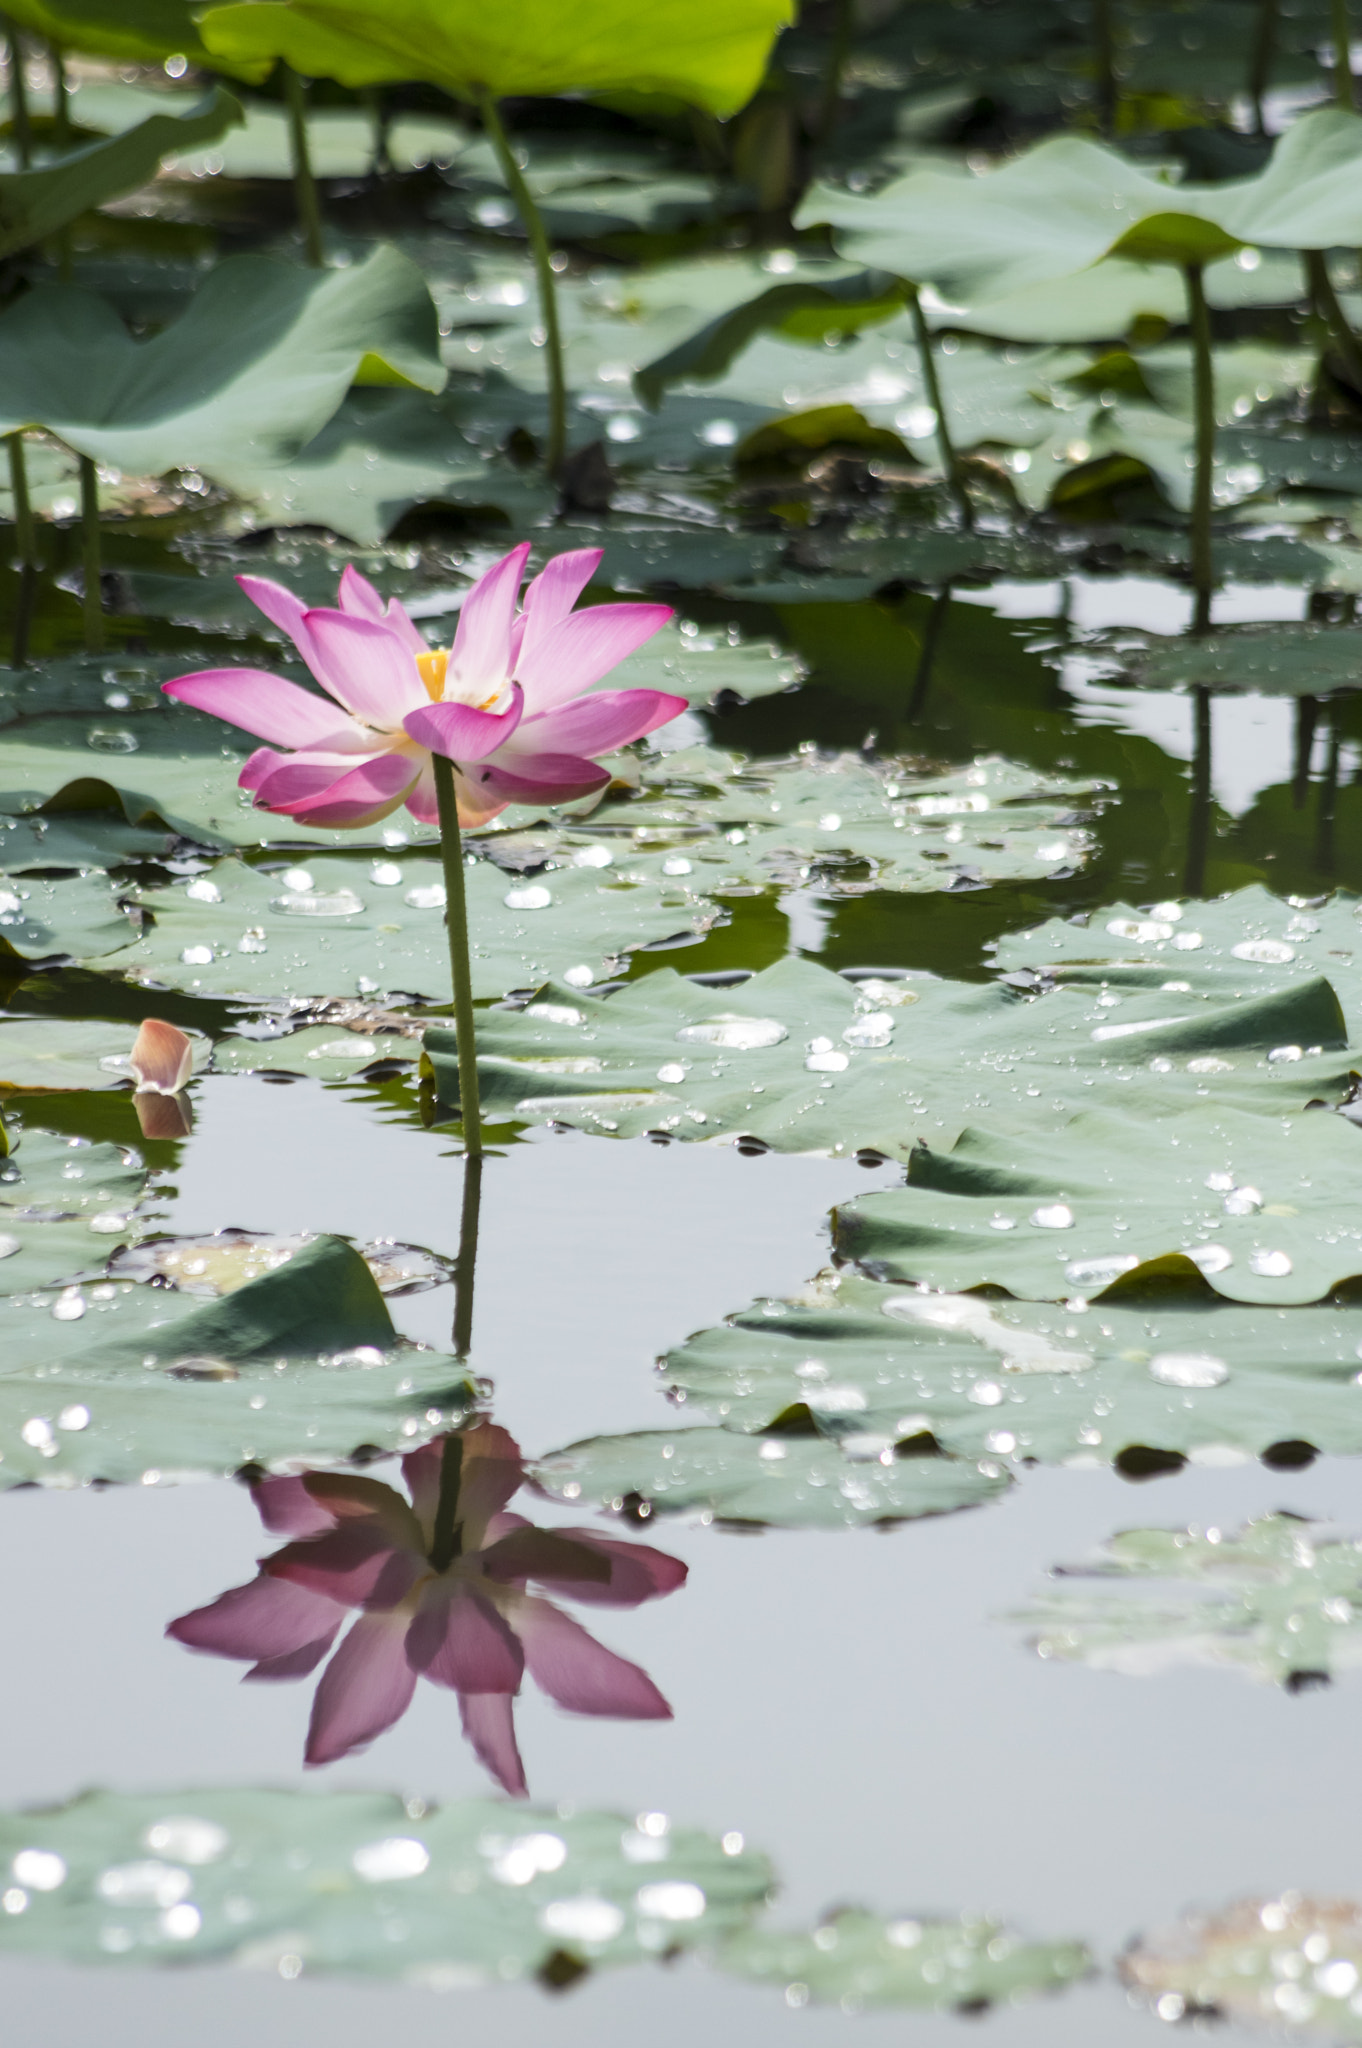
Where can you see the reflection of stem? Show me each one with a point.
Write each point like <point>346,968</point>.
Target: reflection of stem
<point>950,461</point>
<point>1203,387</point>
<point>1331,312</point>
<point>543,267</point>
<point>1328,793</point>
<point>61,99</point>
<point>304,184</point>
<point>18,99</point>
<point>25,548</point>
<point>89,522</point>
<point>376,106</point>
<point>1343,58</point>
<point>1260,66</point>
<point>456,924</point>
<point>1104,64</point>
<point>468,1254</point>
<point>23,615</point>
<point>1199,815</point>
<point>837,64</point>
<point>931,634</point>
<point>1307,711</point>
<point>445,1542</point>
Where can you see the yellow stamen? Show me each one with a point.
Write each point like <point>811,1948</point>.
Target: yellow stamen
<point>431,667</point>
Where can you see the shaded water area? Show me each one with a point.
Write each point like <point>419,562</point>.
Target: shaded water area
<point>844,1519</point>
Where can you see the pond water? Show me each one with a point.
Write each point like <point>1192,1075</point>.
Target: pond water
<point>843,1520</point>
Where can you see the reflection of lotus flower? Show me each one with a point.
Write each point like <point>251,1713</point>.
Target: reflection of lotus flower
<point>511,704</point>
<point>162,1061</point>
<point>441,1589</point>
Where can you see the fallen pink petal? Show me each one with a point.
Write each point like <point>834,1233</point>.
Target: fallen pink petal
<point>162,1057</point>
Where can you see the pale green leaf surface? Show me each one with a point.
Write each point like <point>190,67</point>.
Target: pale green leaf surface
<point>857,1959</point>
<point>76,916</point>
<point>49,1055</point>
<point>62,1204</point>
<point>249,372</point>
<point>783,1482</point>
<point>336,1880</point>
<point>877,1366</point>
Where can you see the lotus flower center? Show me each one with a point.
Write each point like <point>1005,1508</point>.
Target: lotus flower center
<point>433,667</point>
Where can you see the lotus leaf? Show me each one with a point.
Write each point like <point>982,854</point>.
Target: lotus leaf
<point>329,1052</point>
<point>842,306</point>
<point>1279,661</point>
<point>249,372</point>
<point>1246,1963</point>
<point>62,1201</point>
<point>710,54</point>
<point>1278,1601</point>
<point>347,926</point>
<point>144,30</point>
<point>839,826</point>
<point>360,1882</point>
<point>1263,1208</point>
<point>1145,1383</point>
<point>858,1959</point>
<point>48,1055</point>
<point>298,1368</point>
<point>809,1061</point>
<point>75,917</point>
<point>35,204</point>
<point>787,1482</point>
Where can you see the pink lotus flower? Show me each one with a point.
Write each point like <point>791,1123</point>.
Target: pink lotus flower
<point>511,704</point>
<point>162,1062</point>
<point>441,1585</point>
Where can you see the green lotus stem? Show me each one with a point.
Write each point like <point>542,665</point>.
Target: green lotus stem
<point>61,98</point>
<point>304,184</point>
<point>1104,64</point>
<point>456,924</point>
<point>445,1543</point>
<point>543,267</point>
<point>468,1254</point>
<point>25,549</point>
<point>1343,61</point>
<point>376,106</point>
<point>926,661</point>
<point>1203,390</point>
<point>1199,815</point>
<point>1307,712</point>
<point>950,461</point>
<point>837,64</point>
<point>18,97</point>
<point>1260,66</point>
<point>23,616</point>
<point>89,521</point>
<point>1331,312</point>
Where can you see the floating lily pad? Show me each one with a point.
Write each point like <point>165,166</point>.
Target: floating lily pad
<point>329,1052</point>
<point>355,927</point>
<point>810,1061</point>
<point>221,1262</point>
<point>62,1201</point>
<point>92,839</point>
<point>75,917</point>
<point>1280,1600</point>
<point>788,1482</point>
<point>112,1381</point>
<point>362,1884</point>
<point>1147,1384</point>
<point>860,1960</point>
<point>1278,661</point>
<point>1263,1209</point>
<point>839,826</point>
<point>48,1055</point>
<point>1291,1959</point>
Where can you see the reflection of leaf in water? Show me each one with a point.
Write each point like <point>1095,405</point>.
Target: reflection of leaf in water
<point>858,1959</point>
<point>792,1482</point>
<point>365,1884</point>
<point>113,1381</point>
<point>1147,1384</point>
<point>1287,1959</point>
<point>1280,1600</point>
